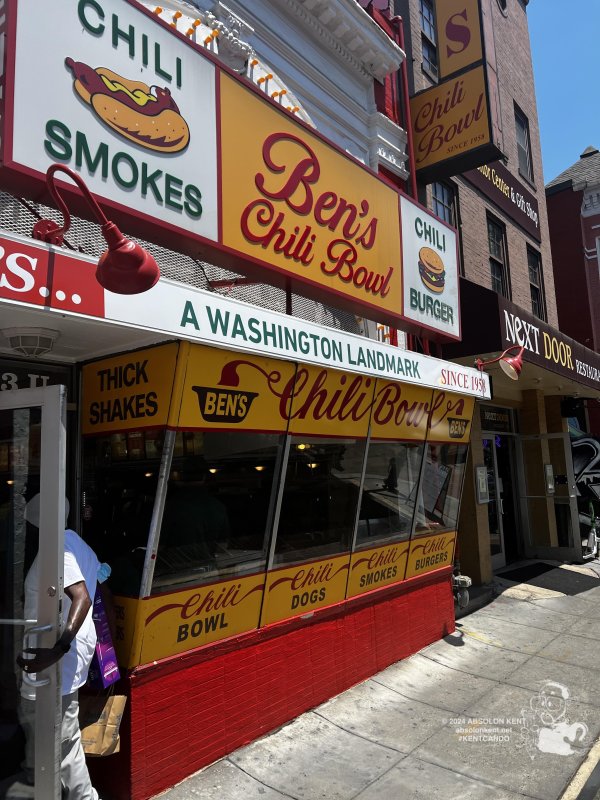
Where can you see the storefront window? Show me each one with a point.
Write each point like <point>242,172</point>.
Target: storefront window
<point>320,498</point>
<point>120,477</point>
<point>217,505</point>
<point>389,491</point>
<point>439,497</point>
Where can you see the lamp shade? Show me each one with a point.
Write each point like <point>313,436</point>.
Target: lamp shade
<point>125,268</point>
<point>512,365</point>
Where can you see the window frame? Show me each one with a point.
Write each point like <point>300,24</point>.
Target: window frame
<point>362,542</point>
<point>495,261</point>
<point>449,206</point>
<point>428,40</point>
<point>532,252</point>
<point>523,149</point>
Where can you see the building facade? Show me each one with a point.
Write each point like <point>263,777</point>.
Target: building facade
<point>521,501</point>
<point>573,215</point>
<point>275,483</point>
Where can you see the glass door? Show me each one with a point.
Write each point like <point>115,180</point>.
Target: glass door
<point>32,460</point>
<point>549,497</point>
<point>494,506</point>
<point>503,512</point>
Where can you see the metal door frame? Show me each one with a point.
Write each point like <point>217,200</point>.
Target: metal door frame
<point>499,559</point>
<point>52,402</point>
<point>558,553</point>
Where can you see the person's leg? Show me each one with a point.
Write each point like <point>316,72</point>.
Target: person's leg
<point>27,720</point>
<point>73,771</point>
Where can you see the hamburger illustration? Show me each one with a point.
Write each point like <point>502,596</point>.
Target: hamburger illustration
<point>431,270</point>
<point>146,115</point>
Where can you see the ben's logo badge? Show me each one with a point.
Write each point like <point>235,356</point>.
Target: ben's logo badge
<point>457,428</point>
<point>224,405</point>
<point>431,270</point>
<point>146,115</point>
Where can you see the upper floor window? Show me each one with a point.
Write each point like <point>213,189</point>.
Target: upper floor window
<point>523,144</point>
<point>498,256</point>
<point>536,284</point>
<point>428,40</point>
<point>443,202</point>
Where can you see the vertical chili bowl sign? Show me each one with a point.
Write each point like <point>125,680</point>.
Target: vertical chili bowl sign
<point>104,88</point>
<point>430,263</point>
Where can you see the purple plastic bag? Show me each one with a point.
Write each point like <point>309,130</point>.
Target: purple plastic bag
<point>104,669</point>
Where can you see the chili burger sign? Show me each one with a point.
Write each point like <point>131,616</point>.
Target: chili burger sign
<point>187,154</point>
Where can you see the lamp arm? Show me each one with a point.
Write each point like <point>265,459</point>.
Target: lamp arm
<point>101,216</point>
<point>480,363</point>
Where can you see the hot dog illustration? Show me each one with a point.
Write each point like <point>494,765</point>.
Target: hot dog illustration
<point>431,270</point>
<point>146,115</point>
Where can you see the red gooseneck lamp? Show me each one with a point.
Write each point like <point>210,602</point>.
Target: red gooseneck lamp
<point>125,268</point>
<point>510,365</point>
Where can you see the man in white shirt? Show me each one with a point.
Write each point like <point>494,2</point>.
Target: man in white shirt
<point>75,648</point>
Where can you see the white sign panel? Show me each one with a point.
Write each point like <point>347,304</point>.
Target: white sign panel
<point>430,270</point>
<point>195,314</point>
<point>103,88</point>
<point>58,281</point>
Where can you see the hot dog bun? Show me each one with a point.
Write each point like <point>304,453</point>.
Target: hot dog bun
<point>431,270</point>
<point>166,132</point>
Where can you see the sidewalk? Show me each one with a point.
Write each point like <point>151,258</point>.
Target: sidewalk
<point>506,707</point>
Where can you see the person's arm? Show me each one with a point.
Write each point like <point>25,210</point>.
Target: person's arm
<point>45,657</point>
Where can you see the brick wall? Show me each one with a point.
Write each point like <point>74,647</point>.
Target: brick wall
<point>187,712</point>
<point>564,210</point>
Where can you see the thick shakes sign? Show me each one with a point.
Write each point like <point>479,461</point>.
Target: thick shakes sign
<point>189,156</point>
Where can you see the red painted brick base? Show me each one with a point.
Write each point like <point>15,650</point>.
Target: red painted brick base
<point>186,712</point>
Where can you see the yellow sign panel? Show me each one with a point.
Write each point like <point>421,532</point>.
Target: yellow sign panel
<point>173,623</point>
<point>126,642</point>
<point>430,552</point>
<point>450,119</point>
<point>458,35</point>
<point>128,391</point>
<point>331,403</point>
<point>301,589</point>
<point>451,417</point>
<point>235,391</point>
<point>377,567</point>
<point>299,207</point>
<point>400,411</point>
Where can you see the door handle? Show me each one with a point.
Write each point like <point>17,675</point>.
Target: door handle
<point>29,632</point>
<point>501,502</point>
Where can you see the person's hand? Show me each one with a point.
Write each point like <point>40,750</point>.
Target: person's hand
<point>44,657</point>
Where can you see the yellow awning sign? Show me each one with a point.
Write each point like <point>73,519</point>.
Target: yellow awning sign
<point>429,553</point>
<point>377,567</point>
<point>128,391</point>
<point>293,591</point>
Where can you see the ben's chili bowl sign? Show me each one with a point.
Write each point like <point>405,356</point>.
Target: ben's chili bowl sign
<point>129,106</point>
<point>311,213</point>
